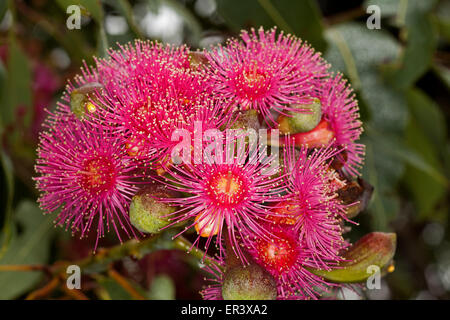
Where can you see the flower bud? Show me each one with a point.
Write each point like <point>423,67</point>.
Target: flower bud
<point>207,225</point>
<point>374,249</point>
<point>356,194</point>
<point>305,119</point>
<point>319,137</point>
<point>147,213</point>
<point>81,99</point>
<point>248,283</point>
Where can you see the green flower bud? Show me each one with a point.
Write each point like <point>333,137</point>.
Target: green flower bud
<point>305,119</point>
<point>374,249</point>
<point>80,99</point>
<point>148,214</point>
<point>248,283</point>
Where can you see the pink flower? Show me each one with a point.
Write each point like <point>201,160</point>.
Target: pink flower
<point>144,65</point>
<point>151,108</point>
<point>312,206</point>
<point>265,71</point>
<point>137,60</point>
<point>286,258</point>
<point>340,110</point>
<point>224,197</point>
<point>85,173</point>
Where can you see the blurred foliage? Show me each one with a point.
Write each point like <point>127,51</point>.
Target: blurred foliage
<point>400,74</point>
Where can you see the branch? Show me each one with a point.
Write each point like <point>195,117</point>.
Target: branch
<point>125,284</point>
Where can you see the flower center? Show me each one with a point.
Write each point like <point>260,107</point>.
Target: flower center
<point>253,78</point>
<point>226,188</point>
<point>277,255</point>
<point>252,83</point>
<point>98,175</point>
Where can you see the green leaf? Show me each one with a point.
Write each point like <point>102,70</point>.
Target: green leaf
<point>426,134</point>
<point>95,9</point>
<point>18,85</point>
<point>359,52</point>
<point>3,89</point>
<point>30,246</point>
<point>418,53</point>
<point>102,42</point>
<point>396,148</point>
<point>425,190</point>
<point>374,249</point>
<point>383,172</point>
<point>8,171</point>
<point>3,9</point>
<point>417,29</point>
<point>442,19</point>
<point>162,288</point>
<point>428,116</point>
<point>301,18</point>
<point>366,48</point>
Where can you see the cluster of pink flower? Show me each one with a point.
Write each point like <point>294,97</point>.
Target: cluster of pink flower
<point>110,141</point>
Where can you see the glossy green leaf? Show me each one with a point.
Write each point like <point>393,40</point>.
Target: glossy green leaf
<point>301,18</point>
<point>374,249</point>
<point>30,246</point>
